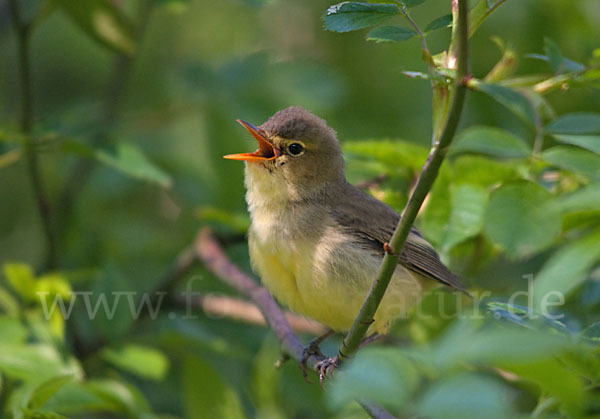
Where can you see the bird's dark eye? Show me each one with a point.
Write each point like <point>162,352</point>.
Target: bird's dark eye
<point>295,149</point>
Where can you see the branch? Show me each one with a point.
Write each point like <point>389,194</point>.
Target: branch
<point>243,311</point>
<point>428,175</point>
<point>211,253</point>
<point>23,32</point>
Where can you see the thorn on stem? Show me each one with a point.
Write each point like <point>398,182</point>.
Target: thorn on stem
<point>388,249</point>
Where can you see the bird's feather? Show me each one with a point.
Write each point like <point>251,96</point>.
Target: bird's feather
<point>374,224</point>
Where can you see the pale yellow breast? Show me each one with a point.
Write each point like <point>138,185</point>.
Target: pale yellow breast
<point>311,265</point>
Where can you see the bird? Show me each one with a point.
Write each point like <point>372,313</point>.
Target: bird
<point>315,240</point>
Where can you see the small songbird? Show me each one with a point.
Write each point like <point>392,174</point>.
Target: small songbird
<point>317,241</point>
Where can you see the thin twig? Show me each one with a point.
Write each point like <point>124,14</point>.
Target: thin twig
<point>242,311</point>
<point>23,32</point>
<point>428,175</point>
<point>211,253</point>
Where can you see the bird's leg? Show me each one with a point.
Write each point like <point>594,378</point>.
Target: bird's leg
<point>313,349</point>
<point>326,367</point>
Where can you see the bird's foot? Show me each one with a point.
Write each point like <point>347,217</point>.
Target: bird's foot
<point>325,368</point>
<point>311,349</point>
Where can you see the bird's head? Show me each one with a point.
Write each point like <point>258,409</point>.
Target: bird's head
<point>296,151</point>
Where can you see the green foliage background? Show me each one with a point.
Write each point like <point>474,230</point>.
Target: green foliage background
<point>148,100</point>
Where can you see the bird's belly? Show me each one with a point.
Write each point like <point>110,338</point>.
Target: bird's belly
<point>328,280</point>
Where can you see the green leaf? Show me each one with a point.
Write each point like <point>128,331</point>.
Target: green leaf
<point>589,142</point>
<point>441,22</point>
<point>128,159</point>
<point>8,303</point>
<point>491,141</point>
<point>475,342</point>
<point>103,21</point>
<point>140,360</point>
<point>461,395</point>
<point>126,397</point>
<point>12,330</point>
<point>384,375</point>
<point>390,34</point>
<point>554,379</point>
<point>585,199</point>
<point>216,400</point>
<point>516,221</point>
<point>22,279</point>
<point>350,16</point>
<point>580,123</point>
<point>553,53</point>
<point>510,98</point>
<point>393,153</point>
<point>131,161</point>
<point>32,361</point>
<point>479,13</point>
<point>557,61</point>
<point>468,204</point>
<point>47,389</point>
<point>574,160</point>
<point>566,270</point>
<point>411,3</point>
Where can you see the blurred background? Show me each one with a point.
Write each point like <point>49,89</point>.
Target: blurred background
<point>197,66</point>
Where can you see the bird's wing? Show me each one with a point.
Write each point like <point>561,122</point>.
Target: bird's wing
<point>372,223</point>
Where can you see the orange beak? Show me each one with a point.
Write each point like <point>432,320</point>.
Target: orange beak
<point>266,151</point>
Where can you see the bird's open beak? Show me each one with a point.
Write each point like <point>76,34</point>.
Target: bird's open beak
<point>266,151</point>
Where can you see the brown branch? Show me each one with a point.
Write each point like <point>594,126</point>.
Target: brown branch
<point>215,259</point>
<point>243,311</point>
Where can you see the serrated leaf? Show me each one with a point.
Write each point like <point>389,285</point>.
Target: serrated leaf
<point>441,22</point>
<point>350,16</point>
<point>103,21</point>
<point>390,34</point>
<point>566,270</point>
<point>580,123</point>
<point>492,141</point>
<point>139,360</point>
<point>574,160</point>
<point>510,98</point>
<point>516,221</point>
<point>589,142</point>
